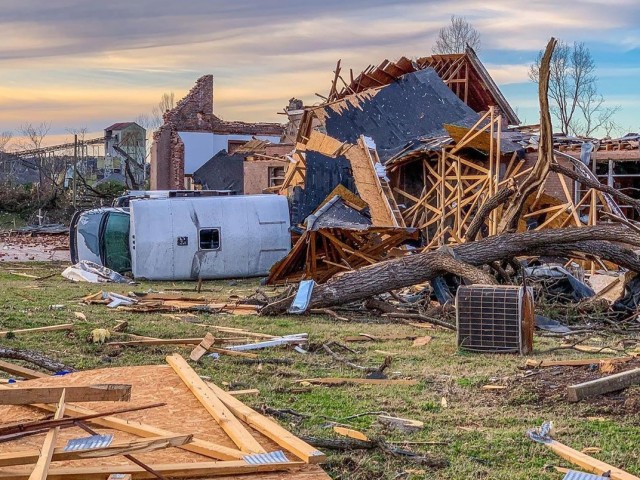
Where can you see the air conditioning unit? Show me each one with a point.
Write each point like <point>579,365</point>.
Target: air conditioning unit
<point>495,318</point>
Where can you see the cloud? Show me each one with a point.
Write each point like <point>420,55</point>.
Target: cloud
<point>88,63</point>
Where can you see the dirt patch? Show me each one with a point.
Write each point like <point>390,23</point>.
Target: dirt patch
<point>549,385</point>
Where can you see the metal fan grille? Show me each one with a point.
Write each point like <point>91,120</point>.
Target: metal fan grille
<point>490,318</point>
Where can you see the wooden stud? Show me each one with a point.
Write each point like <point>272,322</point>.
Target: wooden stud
<point>588,463</point>
<point>230,424</point>
<point>158,341</point>
<point>20,371</point>
<point>612,383</point>
<point>51,328</point>
<point>92,393</point>
<point>46,453</point>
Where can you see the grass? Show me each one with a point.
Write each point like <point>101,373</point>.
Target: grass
<point>484,430</point>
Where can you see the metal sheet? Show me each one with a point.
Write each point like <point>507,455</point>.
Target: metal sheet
<point>87,443</point>
<point>266,458</point>
<point>574,475</point>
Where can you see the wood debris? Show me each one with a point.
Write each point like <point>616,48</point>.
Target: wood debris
<point>167,453</point>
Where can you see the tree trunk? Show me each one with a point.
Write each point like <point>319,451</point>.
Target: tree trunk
<point>35,358</point>
<point>489,206</point>
<point>410,270</point>
<point>538,174</point>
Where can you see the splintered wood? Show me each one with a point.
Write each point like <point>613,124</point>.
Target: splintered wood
<point>320,254</point>
<point>181,439</point>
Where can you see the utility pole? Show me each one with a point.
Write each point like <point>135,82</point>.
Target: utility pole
<point>75,168</point>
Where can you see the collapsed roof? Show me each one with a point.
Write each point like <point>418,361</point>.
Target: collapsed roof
<point>463,73</point>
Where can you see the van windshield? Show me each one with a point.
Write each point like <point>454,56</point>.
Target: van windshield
<point>115,242</point>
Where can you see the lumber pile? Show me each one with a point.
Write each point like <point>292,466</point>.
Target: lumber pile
<point>164,302</point>
<point>201,431</point>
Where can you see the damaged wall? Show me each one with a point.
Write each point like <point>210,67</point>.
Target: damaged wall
<point>192,114</point>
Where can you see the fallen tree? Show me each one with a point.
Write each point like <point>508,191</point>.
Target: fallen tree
<point>410,270</point>
<point>34,357</point>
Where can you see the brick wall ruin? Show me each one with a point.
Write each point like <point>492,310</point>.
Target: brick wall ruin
<point>193,113</point>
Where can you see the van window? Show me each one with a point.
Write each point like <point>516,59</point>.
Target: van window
<point>210,239</point>
<point>115,242</point>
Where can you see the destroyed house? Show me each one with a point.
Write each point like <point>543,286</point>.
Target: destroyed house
<point>425,144</point>
<point>192,134</point>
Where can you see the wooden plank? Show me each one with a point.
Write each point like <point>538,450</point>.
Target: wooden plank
<point>574,363</point>
<point>158,341</point>
<point>92,393</point>
<point>588,463</point>
<point>612,383</point>
<point>269,428</point>
<point>19,371</point>
<point>121,448</point>
<point>198,352</point>
<point>358,381</point>
<point>40,472</point>
<point>248,391</point>
<point>173,470</point>
<point>210,401</point>
<point>350,433</point>
<point>51,328</point>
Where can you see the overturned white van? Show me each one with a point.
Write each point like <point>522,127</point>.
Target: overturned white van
<point>186,238</point>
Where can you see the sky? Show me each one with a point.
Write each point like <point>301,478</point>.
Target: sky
<point>87,64</point>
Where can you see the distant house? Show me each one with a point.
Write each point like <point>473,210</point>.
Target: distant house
<point>250,169</point>
<point>192,135</point>
<point>125,153</point>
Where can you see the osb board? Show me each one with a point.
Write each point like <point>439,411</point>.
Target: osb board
<point>481,142</point>
<point>183,414</point>
<point>319,142</point>
<point>369,187</point>
<point>347,195</point>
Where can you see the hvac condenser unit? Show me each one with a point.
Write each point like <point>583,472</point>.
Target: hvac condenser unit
<point>495,318</point>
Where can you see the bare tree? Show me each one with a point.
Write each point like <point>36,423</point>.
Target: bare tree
<point>573,88</point>
<point>167,102</point>
<point>50,168</point>
<point>454,38</point>
<point>7,164</point>
<point>5,138</point>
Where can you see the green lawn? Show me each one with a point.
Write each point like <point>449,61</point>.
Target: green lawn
<point>484,430</point>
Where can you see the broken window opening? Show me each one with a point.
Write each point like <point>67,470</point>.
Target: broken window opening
<point>276,176</point>
<point>210,239</point>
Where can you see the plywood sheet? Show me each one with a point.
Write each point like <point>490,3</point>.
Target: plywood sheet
<point>150,384</point>
<point>369,187</point>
